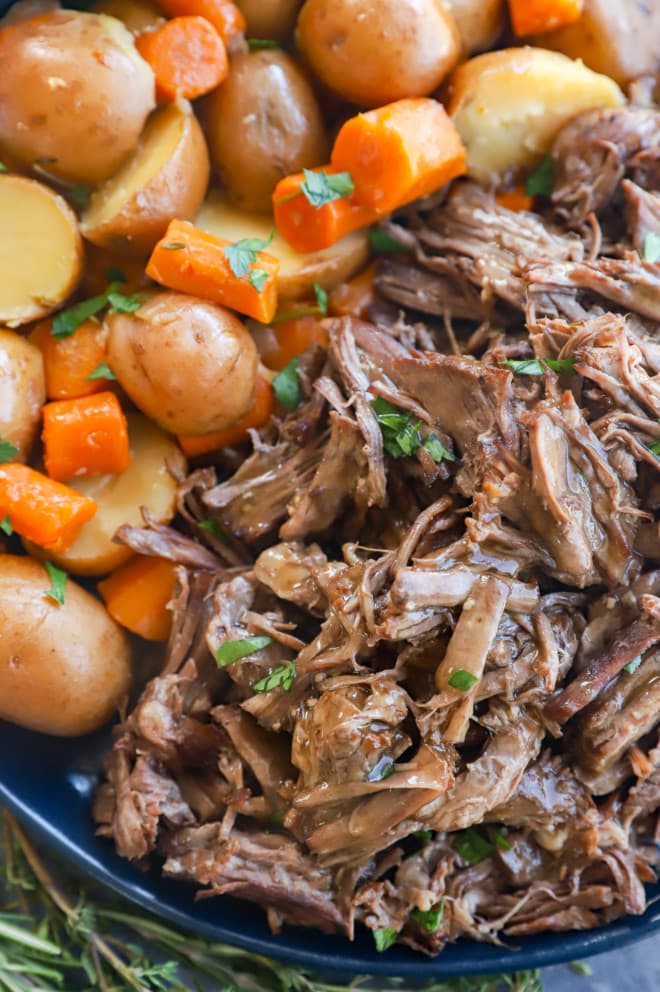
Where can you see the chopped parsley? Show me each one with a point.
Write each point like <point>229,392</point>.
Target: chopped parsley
<point>173,246</point>
<point>383,768</point>
<point>114,274</point>
<point>537,366</point>
<point>120,303</point>
<point>498,838</point>
<point>580,968</point>
<point>462,680</point>
<point>286,385</point>
<point>383,243</point>
<point>424,836</point>
<point>258,279</point>
<point>57,583</point>
<point>321,299</point>
<point>243,254</point>
<point>321,188</point>
<point>654,448</point>
<point>280,677</point>
<point>652,247</point>
<point>471,846</point>
<point>430,919</point>
<point>402,434</point>
<point>102,371</point>
<point>540,182</point>
<point>68,321</point>
<point>633,665</point>
<point>8,451</point>
<point>5,526</point>
<point>232,651</point>
<point>256,44</point>
<point>212,527</point>
<point>3,167</point>
<point>384,939</point>
<point>79,194</point>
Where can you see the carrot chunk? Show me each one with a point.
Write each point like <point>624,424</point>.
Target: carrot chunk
<point>40,509</point>
<point>515,199</point>
<point>69,362</point>
<point>137,593</point>
<point>225,16</point>
<point>187,55</point>
<point>353,298</point>
<point>258,415</point>
<point>311,228</point>
<point>198,263</point>
<point>538,16</point>
<point>85,435</point>
<point>399,152</point>
<point>284,340</point>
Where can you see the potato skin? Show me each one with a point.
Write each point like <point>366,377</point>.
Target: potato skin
<point>22,391</point>
<point>189,364</point>
<point>270,18</point>
<point>175,188</point>
<point>136,15</point>
<point>479,22</point>
<point>74,94</point>
<point>63,669</point>
<point>373,52</point>
<point>268,102</point>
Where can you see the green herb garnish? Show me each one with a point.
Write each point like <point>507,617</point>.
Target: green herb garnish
<point>57,583</point>
<point>79,194</point>
<point>321,299</point>
<point>115,274</point>
<point>652,247</point>
<point>462,680</point>
<point>383,768</point>
<point>68,321</point>
<point>102,371</point>
<point>471,846</point>
<point>424,836</point>
<point>402,434</point>
<point>258,279</point>
<point>3,167</point>
<point>173,246</point>
<point>633,665</point>
<point>243,254</point>
<point>120,303</point>
<point>437,450</point>
<point>232,651</point>
<point>654,447</point>
<point>541,181</point>
<point>430,919</point>
<point>280,677</point>
<point>384,939</point>
<point>212,527</point>
<point>8,451</point>
<point>5,526</point>
<point>580,968</point>
<point>256,44</point>
<point>383,243</point>
<point>286,385</point>
<point>498,838</point>
<point>321,188</point>
<point>537,366</point>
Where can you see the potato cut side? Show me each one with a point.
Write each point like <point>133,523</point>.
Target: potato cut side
<point>299,271</point>
<point>508,106</point>
<point>147,482</point>
<point>165,178</point>
<point>40,250</point>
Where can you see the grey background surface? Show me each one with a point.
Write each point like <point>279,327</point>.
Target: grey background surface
<point>628,969</point>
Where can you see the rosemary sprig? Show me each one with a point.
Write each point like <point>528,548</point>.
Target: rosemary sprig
<point>52,940</point>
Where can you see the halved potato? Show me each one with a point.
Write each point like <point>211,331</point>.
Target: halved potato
<point>165,178</point>
<point>479,22</point>
<point>136,15</point>
<point>147,482</point>
<point>40,250</point>
<point>298,272</point>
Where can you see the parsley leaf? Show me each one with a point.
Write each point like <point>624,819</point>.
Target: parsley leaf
<point>5,525</point>
<point>383,243</point>
<point>256,44</point>
<point>580,968</point>
<point>114,274</point>
<point>8,451</point>
<point>282,676</point>
<point>68,321</point>
<point>422,835</point>
<point>498,838</point>
<point>462,680</point>
<point>655,447</point>
<point>471,846</point>
<point>321,299</point>
<point>120,303</point>
<point>541,181</point>
<point>430,919</point>
<point>212,527</point>
<point>537,366</point>
<point>402,435</point>
<point>383,939</point>
<point>102,371</point>
<point>258,279</point>
<point>383,768</point>
<point>232,651</point>
<point>3,167</point>
<point>242,254</point>
<point>437,450</point>
<point>652,247</point>
<point>633,665</point>
<point>321,188</point>
<point>57,583</point>
<point>79,194</point>
<point>286,385</point>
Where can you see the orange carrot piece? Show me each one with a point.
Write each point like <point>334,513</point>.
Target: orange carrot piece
<point>195,262</point>
<point>137,593</point>
<point>85,435</point>
<point>538,16</point>
<point>515,199</point>
<point>290,338</point>
<point>258,415</point>
<point>399,152</point>
<point>69,362</point>
<point>187,55</point>
<point>353,298</point>
<point>308,228</point>
<point>225,16</point>
<point>40,509</point>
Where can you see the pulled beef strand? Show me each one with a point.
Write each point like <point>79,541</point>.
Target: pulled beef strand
<point>448,701</point>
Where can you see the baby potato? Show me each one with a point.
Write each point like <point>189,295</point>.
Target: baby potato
<point>148,482</point>
<point>74,94</point>
<point>479,22</point>
<point>40,250</point>
<point>298,272</point>
<point>189,364</point>
<point>64,669</point>
<point>26,9</point>
<point>263,123</point>
<point>136,15</point>
<point>270,18</point>
<point>508,105</point>
<point>166,177</point>
<point>376,51</point>
<point>22,391</point>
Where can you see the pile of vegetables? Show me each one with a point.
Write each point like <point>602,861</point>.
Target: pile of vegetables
<point>187,189</point>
